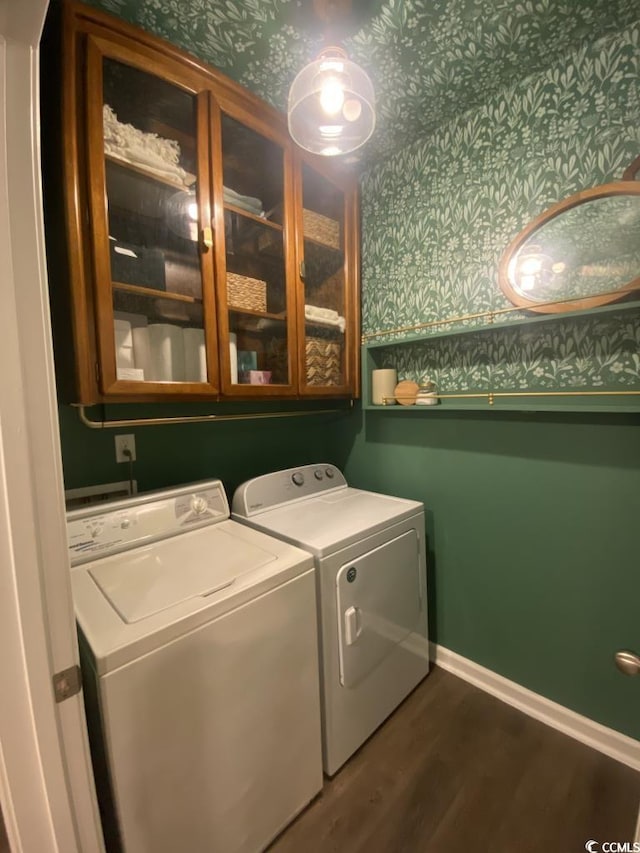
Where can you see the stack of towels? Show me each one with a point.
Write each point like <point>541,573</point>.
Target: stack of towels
<point>153,153</point>
<point>324,317</point>
<point>244,202</point>
<point>160,352</point>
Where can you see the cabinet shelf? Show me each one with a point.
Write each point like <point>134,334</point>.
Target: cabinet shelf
<point>252,217</point>
<point>154,293</point>
<point>149,175</point>
<point>332,330</point>
<point>262,315</point>
<point>257,321</point>
<point>327,246</point>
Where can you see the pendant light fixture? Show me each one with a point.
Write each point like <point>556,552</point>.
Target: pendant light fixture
<point>331,107</point>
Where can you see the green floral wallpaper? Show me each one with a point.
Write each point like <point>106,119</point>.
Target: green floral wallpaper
<point>594,354</point>
<point>438,216</point>
<point>430,60</point>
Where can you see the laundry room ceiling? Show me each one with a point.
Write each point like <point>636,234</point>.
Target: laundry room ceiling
<point>430,60</point>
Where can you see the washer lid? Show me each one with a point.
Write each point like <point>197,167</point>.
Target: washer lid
<point>147,580</point>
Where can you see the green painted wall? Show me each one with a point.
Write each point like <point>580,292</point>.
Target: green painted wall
<point>532,519</point>
<point>172,455</point>
<point>534,541</point>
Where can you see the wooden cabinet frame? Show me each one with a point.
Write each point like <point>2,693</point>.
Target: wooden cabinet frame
<point>88,36</point>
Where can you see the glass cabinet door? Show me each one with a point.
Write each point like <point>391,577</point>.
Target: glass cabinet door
<point>327,305</point>
<point>150,212</point>
<point>256,300</point>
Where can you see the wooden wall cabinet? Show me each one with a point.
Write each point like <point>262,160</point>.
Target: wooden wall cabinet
<point>196,252</point>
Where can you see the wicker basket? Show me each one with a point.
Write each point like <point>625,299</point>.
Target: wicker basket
<point>245,292</point>
<point>321,228</point>
<point>323,362</point>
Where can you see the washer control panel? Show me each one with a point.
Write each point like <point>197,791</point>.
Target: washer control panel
<point>110,528</point>
<point>271,490</point>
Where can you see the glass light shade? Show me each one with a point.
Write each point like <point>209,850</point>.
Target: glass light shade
<point>331,107</point>
<point>181,212</point>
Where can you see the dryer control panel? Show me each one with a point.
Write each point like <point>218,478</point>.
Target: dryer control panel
<point>106,529</point>
<point>280,487</point>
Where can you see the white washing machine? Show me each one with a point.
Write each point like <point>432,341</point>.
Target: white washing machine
<point>369,552</point>
<point>199,646</point>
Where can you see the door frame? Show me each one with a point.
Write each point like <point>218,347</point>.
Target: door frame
<point>46,782</point>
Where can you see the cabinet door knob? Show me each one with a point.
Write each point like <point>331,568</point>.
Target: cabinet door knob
<point>628,662</point>
<point>303,270</point>
<point>206,238</point>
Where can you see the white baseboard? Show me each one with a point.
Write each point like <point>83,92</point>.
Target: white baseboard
<point>615,745</point>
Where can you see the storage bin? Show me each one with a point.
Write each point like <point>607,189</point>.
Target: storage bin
<point>136,265</point>
<point>321,228</point>
<point>323,361</point>
<point>316,226</point>
<point>245,292</point>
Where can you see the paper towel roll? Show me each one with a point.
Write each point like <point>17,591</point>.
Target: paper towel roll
<point>124,344</point>
<point>195,356</point>
<point>122,331</point>
<point>141,351</point>
<point>383,383</point>
<point>233,356</point>
<point>166,350</point>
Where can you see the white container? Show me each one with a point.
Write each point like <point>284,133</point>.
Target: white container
<point>427,394</point>
<point>233,357</point>
<point>166,348</point>
<point>141,351</point>
<point>124,344</point>
<point>195,355</point>
<point>383,383</point>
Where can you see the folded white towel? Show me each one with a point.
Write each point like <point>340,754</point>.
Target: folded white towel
<point>155,153</point>
<point>246,201</point>
<point>324,317</point>
<point>320,313</point>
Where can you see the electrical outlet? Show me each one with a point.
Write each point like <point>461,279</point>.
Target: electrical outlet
<point>125,443</point>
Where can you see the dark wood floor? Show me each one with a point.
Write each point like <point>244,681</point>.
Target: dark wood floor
<point>456,771</point>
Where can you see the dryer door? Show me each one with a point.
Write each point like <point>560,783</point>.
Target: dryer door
<point>378,605</point>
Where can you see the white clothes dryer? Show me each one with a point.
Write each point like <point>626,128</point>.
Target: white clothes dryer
<point>369,552</point>
<point>199,647</point>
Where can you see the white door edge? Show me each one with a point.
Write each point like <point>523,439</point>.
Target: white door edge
<point>46,783</point>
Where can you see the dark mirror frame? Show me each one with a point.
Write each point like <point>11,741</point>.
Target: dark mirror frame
<point>627,186</point>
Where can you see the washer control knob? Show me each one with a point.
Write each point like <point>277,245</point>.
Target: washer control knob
<point>330,473</point>
<point>198,504</point>
<point>318,474</point>
<point>298,478</point>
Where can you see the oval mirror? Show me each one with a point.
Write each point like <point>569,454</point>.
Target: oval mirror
<point>581,253</point>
